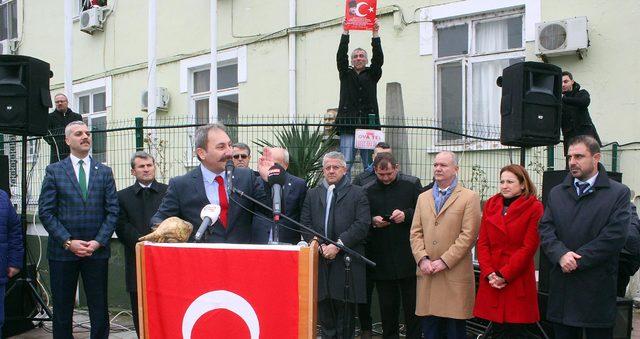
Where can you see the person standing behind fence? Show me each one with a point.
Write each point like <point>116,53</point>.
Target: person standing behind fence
<point>138,203</point>
<point>58,120</point>
<point>584,227</point>
<point>508,240</point>
<point>358,93</point>
<point>79,208</point>
<point>575,112</point>
<point>443,232</point>
<point>11,247</point>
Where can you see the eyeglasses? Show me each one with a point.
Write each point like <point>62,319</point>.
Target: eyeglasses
<point>240,156</point>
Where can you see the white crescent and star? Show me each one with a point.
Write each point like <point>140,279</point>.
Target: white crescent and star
<point>220,299</point>
<point>358,13</point>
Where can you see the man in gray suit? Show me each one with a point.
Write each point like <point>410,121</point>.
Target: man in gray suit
<point>206,184</point>
<point>339,210</point>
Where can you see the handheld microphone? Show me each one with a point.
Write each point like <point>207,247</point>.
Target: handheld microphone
<point>228,170</point>
<point>209,215</point>
<point>276,180</point>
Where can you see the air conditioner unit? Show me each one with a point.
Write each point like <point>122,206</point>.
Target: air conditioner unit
<point>91,20</point>
<point>162,99</point>
<point>9,46</point>
<point>562,37</point>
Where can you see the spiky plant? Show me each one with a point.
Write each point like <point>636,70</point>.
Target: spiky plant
<point>306,148</point>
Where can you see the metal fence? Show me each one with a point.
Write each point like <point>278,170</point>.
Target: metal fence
<point>415,141</point>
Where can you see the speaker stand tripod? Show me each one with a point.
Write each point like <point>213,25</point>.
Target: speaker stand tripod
<point>24,275</point>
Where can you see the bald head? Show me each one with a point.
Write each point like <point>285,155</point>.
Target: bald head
<point>281,156</point>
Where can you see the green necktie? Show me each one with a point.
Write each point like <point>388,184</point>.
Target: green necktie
<point>82,180</point>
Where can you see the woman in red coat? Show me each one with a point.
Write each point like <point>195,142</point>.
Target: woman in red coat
<point>508,240</point>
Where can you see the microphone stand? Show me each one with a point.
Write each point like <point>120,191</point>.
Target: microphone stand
<point>347,257</point>
<point>344,248</point>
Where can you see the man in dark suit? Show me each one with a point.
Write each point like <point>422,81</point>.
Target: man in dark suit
<point>206,184</point>
<point>138,203</point>
<point>339,210</point>
<point>78,206</point>
<point>293,193</point>
<point>392,200</point>
<point>584,227</point>
<point>58,120</point>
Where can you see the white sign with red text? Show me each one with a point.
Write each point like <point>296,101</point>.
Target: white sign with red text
<point>368,138</point>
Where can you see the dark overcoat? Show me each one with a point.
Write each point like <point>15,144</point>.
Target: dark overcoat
<point>595,226</point>
<point>358,91</point>
<point>349,221</point>
<point>136,210</point>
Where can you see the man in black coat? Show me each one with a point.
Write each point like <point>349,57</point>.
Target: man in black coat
<point>340,211</point>
<point>358,93</point>
<point>630,254</point>
<point>575,111</point>
<point>138,203</point>
<point>58,120</point>
<point>392,201</point>
<point>293,193</point>
<point>583,229</point>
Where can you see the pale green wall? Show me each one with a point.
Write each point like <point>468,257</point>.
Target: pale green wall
<point>183,31</point>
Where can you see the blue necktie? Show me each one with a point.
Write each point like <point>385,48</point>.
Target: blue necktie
<point>582,187</point>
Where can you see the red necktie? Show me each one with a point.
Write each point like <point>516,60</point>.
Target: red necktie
<point>224,203</point>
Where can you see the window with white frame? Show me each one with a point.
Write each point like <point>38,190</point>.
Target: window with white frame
<point>92,106</point>
<point>227,94</point>
<point>8,19</point>
<point>470,53</point>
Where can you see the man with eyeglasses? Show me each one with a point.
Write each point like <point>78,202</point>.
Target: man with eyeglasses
<point>340,211</point>
<point>241,155</point>
<point>58,120</point>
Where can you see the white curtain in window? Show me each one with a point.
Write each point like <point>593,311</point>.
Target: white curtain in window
<point>486,94</point>
<point>492,36</point>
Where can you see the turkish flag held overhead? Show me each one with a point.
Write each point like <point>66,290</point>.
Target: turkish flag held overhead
<point>360,14</point>
<point>220,291</point>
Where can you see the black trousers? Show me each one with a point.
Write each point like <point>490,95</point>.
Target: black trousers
<point>390,294</point>
<point>364,309</point>
<point>336,319</point>
<point>134,311</point>
<point>562,331</point>
<point>64,279</point>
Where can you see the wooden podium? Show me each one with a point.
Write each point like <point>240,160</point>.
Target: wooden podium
<point>226,290</point>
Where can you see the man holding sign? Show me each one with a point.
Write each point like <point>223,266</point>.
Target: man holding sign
<point>358,92</point>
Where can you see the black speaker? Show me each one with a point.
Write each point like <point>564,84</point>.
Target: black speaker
<point>4,174</point>
<point>530,108</point>
<point>24,95</point>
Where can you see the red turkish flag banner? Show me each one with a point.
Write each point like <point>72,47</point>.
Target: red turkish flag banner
<point>202,291</point>
<point>360,14</point>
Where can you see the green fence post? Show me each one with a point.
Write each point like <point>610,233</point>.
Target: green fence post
<point>372,119</point>
<point>139,135</point>
<point>550,157</point>
<point>614,157</point>
<point>1,143</point>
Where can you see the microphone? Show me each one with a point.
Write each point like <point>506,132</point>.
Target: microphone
<point>276,180</point>
<point>228,170</point>
<point>209,215</point>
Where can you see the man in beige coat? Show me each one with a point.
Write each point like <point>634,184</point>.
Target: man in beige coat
<point>444,230</point>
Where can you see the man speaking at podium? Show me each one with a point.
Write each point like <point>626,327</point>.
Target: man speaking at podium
<point>208,184</point>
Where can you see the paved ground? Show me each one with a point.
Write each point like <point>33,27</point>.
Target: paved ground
<point>121,328</point>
